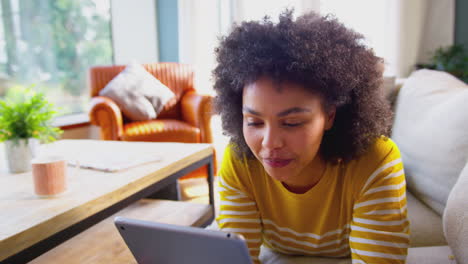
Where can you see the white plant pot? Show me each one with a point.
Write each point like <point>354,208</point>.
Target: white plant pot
<point>19,154</point>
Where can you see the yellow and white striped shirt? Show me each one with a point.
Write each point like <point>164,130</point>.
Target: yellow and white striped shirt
<point>357,209</point>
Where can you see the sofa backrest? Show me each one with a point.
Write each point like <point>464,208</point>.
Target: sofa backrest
<point>431,130</point>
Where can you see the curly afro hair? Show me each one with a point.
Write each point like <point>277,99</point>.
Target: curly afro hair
<point>318,53</point>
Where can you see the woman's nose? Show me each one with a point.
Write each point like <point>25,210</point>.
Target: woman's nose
<point>272,138</point>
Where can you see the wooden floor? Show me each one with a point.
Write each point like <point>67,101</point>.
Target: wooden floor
<point>196,191</point>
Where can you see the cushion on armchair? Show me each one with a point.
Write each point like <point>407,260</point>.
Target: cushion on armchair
<point>430,128</point>
<point>138,94</point>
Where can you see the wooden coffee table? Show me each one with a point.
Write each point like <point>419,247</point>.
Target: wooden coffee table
<point>30,226</point>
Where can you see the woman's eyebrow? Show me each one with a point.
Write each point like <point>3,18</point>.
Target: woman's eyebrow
<point>246,109</point>
<point>286,112</point>
<point>293,110</point>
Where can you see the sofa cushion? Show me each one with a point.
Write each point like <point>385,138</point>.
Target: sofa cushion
<point>426,255</point>
<point>431,130</point>
<point>456,218</point>
<point>425,224</point>
<point>268,256</point>
<point>430,255</point>
<point>138,94</point>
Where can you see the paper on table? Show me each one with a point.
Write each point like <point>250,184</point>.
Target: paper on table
<point>113,162</point>
<point>105,155</point>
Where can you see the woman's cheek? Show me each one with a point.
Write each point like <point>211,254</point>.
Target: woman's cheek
<point>250,137</point>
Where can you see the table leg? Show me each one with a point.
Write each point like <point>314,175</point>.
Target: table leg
<point>170,192</point>
<point>210,183</point>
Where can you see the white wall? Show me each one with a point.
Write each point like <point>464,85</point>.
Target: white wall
<point>199,28</point>
<point>134,31</point>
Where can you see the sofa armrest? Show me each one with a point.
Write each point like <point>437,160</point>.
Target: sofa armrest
<point>196,110</point>
<point>455,218</point>
<point>107,115</point>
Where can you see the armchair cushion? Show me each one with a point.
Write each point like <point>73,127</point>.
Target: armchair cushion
<point>139,94</point>
<point>161,130</point>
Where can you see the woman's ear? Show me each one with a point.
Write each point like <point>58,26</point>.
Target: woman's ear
<point>331,113</point>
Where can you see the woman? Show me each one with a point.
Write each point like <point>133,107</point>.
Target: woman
<point>309,169</point>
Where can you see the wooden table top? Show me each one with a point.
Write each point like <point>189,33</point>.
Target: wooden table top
<point>26,219</point>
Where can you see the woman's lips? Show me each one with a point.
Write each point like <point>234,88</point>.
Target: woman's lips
<point>277,163</point>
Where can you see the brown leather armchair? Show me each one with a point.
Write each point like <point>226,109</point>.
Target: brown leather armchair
<point>187,121</point>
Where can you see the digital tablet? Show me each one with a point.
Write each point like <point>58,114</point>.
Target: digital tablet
<point>152,242</point>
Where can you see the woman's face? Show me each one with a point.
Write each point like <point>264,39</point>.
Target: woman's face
<point>284,128</point>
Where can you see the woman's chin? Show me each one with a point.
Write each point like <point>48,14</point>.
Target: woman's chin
<point>278,175</point>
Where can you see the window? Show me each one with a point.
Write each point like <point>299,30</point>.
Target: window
<point>50,44</point>
<point>370,18</point>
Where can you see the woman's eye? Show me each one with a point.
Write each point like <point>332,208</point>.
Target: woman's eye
<point>292,124</point>
<point>254,124</point>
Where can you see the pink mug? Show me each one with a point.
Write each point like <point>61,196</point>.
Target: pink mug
<point>49,174</point>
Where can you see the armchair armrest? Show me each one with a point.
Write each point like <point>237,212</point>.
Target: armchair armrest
<point>197,111</point>
<point>107,115</point>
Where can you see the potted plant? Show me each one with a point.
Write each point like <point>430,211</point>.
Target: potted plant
<point>452,59</point>
<point>25,121</point>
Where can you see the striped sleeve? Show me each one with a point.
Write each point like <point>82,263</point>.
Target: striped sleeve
<point>238,212</point>
<point>380,228</point>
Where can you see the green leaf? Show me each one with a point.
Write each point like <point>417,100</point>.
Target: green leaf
<point>25,113</point>
<point>452,59</point>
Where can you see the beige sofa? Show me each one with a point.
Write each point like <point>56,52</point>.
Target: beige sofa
<point>431,130</point>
